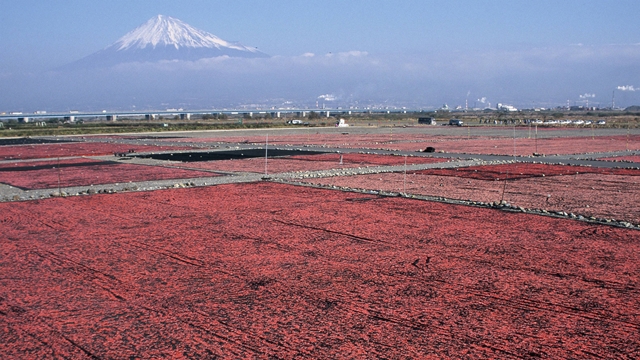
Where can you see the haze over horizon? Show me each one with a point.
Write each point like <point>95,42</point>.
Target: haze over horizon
<point>408,53</point>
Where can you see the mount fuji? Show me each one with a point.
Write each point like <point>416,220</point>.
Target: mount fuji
<point>164,38</point>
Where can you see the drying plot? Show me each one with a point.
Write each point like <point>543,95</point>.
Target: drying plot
<point>517,171</point>
<point>297,163</point>
<point>272,270</point>
<point>587,191</point>
<point>85,172</point>
<point>269,270</point>
<point>522,145</point>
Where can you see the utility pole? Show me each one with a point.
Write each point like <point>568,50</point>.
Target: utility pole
<point>266,159</point>
<point>613,100</point>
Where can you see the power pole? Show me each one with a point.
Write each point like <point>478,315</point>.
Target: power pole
<point>613,100</point>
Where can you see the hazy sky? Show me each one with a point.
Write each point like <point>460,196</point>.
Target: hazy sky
<point>533,41</point>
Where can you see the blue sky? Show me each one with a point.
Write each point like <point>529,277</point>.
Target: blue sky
<point>39,35</point>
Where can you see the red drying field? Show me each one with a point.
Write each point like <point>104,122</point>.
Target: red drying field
<point>275,271</point>
<point>133,137</point>
<point>588,194</point>
<point>309,163</point>
<point>632,158</point>
<point>523,146</point>
<point>313,138</point>
<point>80,172</point>
<point>471,144</point>
<point>42,151</point>
<point>522,171</point>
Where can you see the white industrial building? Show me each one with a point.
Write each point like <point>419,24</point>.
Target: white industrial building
<point>505,107</point>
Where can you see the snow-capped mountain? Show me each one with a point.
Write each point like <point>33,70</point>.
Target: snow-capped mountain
<point>164,38</point>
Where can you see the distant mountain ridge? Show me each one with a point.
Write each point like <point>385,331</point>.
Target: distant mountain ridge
<point>164,38</point>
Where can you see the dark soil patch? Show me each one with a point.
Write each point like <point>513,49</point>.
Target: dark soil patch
<point>30,141</point>
<point>225,155</point>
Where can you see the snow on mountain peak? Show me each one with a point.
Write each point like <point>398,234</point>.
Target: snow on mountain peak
<point>167,31</point>
<point>164,38</point>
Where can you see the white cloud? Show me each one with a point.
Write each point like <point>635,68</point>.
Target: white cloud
<point>544,75</point>
<point>354,53</point>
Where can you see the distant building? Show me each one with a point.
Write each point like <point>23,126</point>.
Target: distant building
<point>505,107</point>
<point>581,108</point>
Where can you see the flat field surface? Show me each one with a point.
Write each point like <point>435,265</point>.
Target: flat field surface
<point>523,171</point>
<point>85,172</point>
<point>335,138</point>
<point>587,191</point>
<point>521,146</point>
<point>472,142</point>
<point>310,163</point>
<point>267,270</point>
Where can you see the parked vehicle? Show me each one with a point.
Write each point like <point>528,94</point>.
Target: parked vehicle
<point>427,121</point>
<point>455,122</point>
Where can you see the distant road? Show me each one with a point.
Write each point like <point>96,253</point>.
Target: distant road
<point>173,112</point>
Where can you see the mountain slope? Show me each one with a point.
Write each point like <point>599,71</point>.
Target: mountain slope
<point>164,38</point>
